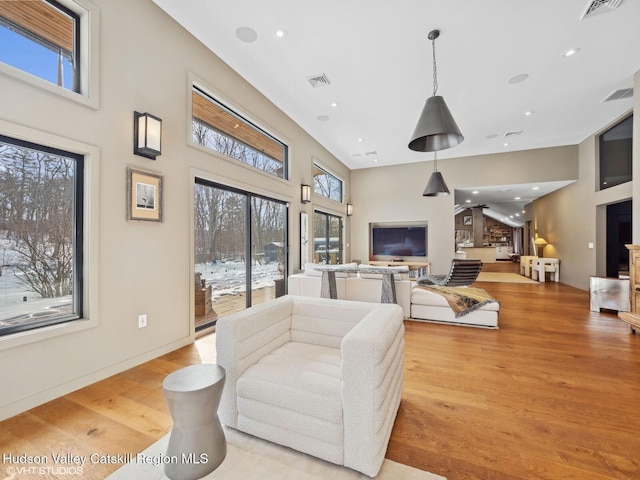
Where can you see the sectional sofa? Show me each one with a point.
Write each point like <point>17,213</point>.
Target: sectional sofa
<point>417,304</point>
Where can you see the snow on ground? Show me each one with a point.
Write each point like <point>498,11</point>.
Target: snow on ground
<point>228,278</point>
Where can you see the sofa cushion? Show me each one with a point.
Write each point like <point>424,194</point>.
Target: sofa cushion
<point>296,387</point>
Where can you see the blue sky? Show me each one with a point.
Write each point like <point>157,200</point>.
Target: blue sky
<point>27,55</point>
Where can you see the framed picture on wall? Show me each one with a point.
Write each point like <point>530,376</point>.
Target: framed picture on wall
<point>144,196</point>
<point>467,220</point>
<point>304,239</point>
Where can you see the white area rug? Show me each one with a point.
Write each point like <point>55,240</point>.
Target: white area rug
<point>251,458</point>
<point>503,277</point>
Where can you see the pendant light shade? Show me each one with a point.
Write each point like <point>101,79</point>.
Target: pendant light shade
<point>436,128</point>
<point>436,186</point>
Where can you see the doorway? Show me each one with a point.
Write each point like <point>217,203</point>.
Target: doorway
<point>619,227</point>
<point>240,250</point>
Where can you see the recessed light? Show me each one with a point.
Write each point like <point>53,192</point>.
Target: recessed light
<point>246,34</point>
<point>360,140</point>
<point>467,201</point>
<point>506,144</point>
<point>528,113</point>
<point>280,33</point>
<point>518,78</point>
<point>517,214</point>
<point>322,118</point>
<point>571,52</point>
<point>535,188</point>
<point>334,104</point>
<point>517,198</point>
<point>475,192</point>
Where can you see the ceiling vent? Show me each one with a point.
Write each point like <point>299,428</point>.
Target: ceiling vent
<point>513,134</point>
<point>599,6</point>
<point>320,80</point>
<point>619,94</point>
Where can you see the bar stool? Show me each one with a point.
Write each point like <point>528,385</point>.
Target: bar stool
<point>197,445</point>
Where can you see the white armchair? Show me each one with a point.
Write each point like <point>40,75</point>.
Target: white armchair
<point>321,376</point>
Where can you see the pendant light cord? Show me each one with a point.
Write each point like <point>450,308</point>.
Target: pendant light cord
<point>435,76</point>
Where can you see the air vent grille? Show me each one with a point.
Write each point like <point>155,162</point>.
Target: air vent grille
<point>320,80</point>
<point>513,134</point>
<point>599,6</point>
<point>619,94</point>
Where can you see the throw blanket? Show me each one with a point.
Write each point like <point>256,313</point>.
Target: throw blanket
<point>462,300</point>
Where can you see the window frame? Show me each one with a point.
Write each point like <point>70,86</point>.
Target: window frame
<point>88,38</point>
<point>198,88</point>
<point>327,172</point>
<point>77,236</point>
<point>600,183</point>
<point>91,237</point>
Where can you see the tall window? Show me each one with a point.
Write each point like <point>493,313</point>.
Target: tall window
<point>240,249</point>
<point>616,154</point>
<point>41,37</point>
<point>327,238</point>
<point>219,128</point>
<point>40,235</point>
<point>326,184</point>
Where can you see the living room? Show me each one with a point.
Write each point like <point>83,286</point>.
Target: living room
<point>140,59</point>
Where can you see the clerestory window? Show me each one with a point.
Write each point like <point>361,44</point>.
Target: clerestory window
<point>222,130</point>
<point>42,38</point>
<point>326,184</point>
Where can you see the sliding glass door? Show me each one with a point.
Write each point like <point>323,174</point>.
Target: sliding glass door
<point>240,250</point>
<point>327,238</point>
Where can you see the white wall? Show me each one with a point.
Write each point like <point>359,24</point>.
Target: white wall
<point>138,267</point>
<point>394,194</point>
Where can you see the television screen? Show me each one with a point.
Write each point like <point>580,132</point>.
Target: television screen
<point>399,241</point>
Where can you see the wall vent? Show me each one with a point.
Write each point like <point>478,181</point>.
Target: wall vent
<point>619,94</point>
<point>319,80</point>
<point>599,6</point>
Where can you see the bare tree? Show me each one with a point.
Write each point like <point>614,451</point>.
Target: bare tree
<point>37,192</point>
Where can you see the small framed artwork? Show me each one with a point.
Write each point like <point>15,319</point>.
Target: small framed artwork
<point>144,196</point>
<point>467,220</point>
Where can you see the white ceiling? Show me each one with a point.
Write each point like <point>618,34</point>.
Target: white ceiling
<point>378,60</point>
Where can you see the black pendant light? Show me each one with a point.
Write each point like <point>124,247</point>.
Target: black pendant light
<point>436,186</point>
<point>436,128</point>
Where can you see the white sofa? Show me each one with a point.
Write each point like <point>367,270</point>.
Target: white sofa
<point>429,306</point>
<point>361,286</point>
<point>321,376</point>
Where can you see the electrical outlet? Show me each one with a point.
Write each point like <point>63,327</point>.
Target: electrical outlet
<point>142,320</point>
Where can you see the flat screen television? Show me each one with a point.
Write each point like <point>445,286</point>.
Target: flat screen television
<point>395,241</point>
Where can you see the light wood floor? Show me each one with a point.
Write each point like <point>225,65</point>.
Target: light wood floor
<point>552,394</point>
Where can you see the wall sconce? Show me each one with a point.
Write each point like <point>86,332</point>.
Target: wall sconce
<point>349,209</point>
<point>147,133</point>
<point>305,193</point>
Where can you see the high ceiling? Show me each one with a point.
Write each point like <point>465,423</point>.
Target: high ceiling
<point>372,64</point>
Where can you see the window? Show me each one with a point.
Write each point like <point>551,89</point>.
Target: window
<point>326,184</point>
<point>40,235</point>
<point>615,154</point>
<point>43,40</point>
<point>327,238</point>
<point>224,131</point>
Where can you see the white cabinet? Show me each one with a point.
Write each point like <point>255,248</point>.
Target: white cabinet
<point>502,253</point>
